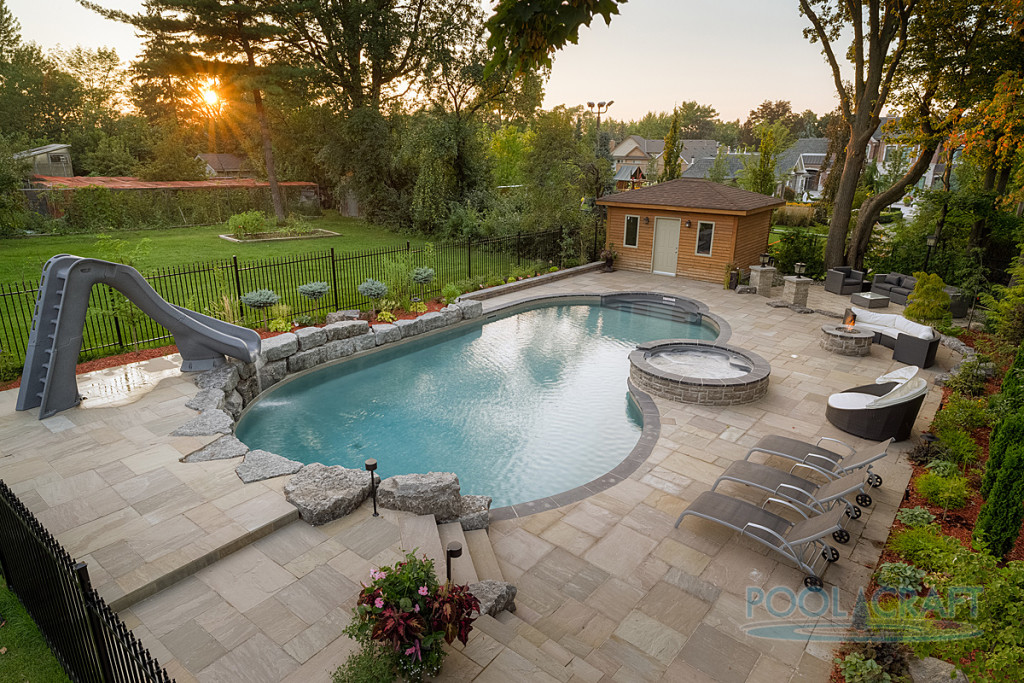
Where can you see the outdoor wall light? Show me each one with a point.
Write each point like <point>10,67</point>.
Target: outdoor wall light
<point>371,465</point>
<point>688,223</point>
<point>647,219</point>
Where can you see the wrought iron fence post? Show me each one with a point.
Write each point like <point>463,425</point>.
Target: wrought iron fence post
<point>99,642</point>
<point>469,257</point>
<point>117,330</point>
<point>238,288</point>
<point>334,279</point>
<point>519,251</point>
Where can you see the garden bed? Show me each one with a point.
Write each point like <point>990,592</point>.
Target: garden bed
<point>280,237</point>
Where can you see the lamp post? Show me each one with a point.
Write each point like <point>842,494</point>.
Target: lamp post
<point>371,465</point>
<point>453,550</point>
<point>599,108</point>
<point>931,241</point>
<point>799,268</point>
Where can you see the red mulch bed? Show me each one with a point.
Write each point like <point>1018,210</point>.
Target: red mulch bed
<point>147,354</point>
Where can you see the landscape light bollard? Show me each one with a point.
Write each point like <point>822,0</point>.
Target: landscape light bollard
<point>454,549</point>
<point>799,268</point>
<point>371,465</point>
<point>930,241</point>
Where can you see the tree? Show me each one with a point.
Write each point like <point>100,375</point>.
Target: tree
<point>367,52</point>
<point>1000,517</point>
<point>954,51</point>
<point>216,37</point>
<point>673,147</point>
<point>719,168</point>
<point>525,32</point>
<point>10,32</point>
<point>12,201</point>
<point>769,112</point>
<point>172,159</point>
<point>758,173</point>
<point>879,41</point>
<point>696,121</point>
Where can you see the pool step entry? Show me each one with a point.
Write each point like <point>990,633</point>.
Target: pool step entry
<point>662,307</point>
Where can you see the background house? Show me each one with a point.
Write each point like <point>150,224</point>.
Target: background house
<point>49,160</point>
<point>799,166</point>
<point>688,226</point>
<point>648,155</point>
<point>735,162</point>
<point>225,166</point>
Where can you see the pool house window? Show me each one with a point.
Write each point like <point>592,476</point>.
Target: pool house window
<point>705,235</point>
<point>632,236</point>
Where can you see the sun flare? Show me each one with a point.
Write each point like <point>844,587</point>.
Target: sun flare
<point>210,96</point>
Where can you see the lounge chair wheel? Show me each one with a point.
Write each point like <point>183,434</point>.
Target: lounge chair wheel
<point>830,554</point>
<point>874,480</point>
<point>841,536</point>
<point>853,512</point>
<point>864,500</point>
<point>814,583</point>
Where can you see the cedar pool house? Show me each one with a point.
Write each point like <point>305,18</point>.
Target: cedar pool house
<point>690,227</point>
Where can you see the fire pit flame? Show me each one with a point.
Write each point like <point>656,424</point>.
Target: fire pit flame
<point>849,319</point>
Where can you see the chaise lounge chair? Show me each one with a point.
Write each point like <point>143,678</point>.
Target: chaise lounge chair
<point>802,541</point>
<point>816,498</point>
<point>830,463</point>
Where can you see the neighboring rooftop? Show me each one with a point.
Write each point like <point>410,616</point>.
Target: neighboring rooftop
<point>693,193</point>
<point>45,149</point>
<point>734,161</point>
<point>223,163</point>
<point>130,183</point>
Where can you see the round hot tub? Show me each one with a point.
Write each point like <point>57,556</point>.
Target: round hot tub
<point>704,373</point>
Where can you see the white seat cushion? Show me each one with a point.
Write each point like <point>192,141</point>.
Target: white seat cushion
<point>850,400</point>
<point>913,329</point>
<point>899,375</point>
<point>904,392</point>
<point>874,318</point>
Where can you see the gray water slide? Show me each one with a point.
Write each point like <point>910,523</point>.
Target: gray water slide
<point>48,381</point>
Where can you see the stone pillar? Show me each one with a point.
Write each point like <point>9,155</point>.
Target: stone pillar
<point>795,289</point>
<point>761,277</point>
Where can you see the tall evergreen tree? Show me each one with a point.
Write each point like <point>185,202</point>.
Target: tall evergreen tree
<point>673,146</point>
<point>216,37</point>
<point>10,32</point>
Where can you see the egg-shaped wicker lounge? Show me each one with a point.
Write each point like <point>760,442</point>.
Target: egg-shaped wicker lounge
<point>886,409</point>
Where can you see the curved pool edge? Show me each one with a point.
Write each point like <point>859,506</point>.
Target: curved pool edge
<point>636,457</point>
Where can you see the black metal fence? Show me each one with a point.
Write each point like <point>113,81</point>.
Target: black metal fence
<point>88,639</point>
<point>215,287</point>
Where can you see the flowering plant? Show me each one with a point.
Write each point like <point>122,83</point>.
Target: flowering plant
<point>404,610</point>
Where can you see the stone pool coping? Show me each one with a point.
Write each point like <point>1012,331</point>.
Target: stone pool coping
<point>309,349</point>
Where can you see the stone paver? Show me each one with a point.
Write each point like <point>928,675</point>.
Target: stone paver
<point>608,589</point>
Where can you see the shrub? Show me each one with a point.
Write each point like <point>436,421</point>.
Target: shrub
<point>303,319</point>
<point>946,492</point>
<point>1008,432</point>
<point>314,290</point>
<point>886,650</point>
<point>260,298</point>
<point>957,447</point>
<point>1000,517</point>
<point>450,293</point>
<point>423,275</point>
<point>962,412</point>
<point>552,269</point>
<point>511,279</point>
<point>494,281</point>
<point>800,246</point>
<point>371,664</point>
<point>1013,380</point>
<point>247,224</point>
<point>418,307</point>
<point>915,517</point>
<point>373,290</point>
<point>10,366</point>
<point>855,668</point>
<point>405,611</point>
<point>924,452</point>
<point>925,547</point>
<point>279,325</point>
<point>970,379</point>
<point>943,468</point>
<point>1006,307</point>
<point>386,317</point>
<point>900,576</point>
<point>928,303</point>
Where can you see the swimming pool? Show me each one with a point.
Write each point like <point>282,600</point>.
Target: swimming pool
<point>520,406</point>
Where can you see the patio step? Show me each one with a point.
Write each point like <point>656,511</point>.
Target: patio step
<point>420,534</point>
<point>542,654</point>
<point>464,566</point>
<point>484,561</point>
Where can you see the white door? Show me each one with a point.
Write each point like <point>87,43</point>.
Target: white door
<point>666,246</point>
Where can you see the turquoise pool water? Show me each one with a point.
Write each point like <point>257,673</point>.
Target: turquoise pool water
<point>520,407</point>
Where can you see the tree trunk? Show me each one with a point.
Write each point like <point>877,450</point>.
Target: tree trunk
<point>872,206</point>
<point>268,158</point>
<point>839,226</point>
<point>947,175</point>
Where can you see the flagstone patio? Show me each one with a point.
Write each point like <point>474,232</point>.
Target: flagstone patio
<point>223,583</point>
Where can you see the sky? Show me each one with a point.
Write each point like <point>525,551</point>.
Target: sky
<point>730,54</point>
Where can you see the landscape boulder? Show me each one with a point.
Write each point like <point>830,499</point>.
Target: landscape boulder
<point>494,596</point>
<point>434,493</point>
<point>259,465</point>
<point>205,424</point>
<point>476,512</point>
<point>323,493</point>
<point>222,449</point>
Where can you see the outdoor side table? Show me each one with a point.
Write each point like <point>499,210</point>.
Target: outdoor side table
<point>869,300</point>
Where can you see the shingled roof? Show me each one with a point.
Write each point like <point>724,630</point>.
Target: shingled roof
<point>693,193</point>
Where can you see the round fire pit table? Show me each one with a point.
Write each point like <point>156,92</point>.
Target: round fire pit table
<point>846,341</point>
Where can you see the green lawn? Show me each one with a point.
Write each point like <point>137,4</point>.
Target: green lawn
<point>27,659</point>
<point>23,258</point>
